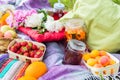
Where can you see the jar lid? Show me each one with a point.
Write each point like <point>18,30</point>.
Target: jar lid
<point>77,45</point>
<point>59,6</point>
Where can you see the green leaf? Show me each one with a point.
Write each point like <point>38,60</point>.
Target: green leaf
<point>45,15</point>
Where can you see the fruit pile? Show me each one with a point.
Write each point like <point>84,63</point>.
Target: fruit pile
<point>27,49</point>
<point>98,59</point>
<point>7,32</point>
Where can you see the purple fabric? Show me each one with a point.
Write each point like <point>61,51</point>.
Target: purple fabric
<point>34,4</point>
<point>54,55</point>
<point>4,56</point>
<point>23,36</point>
<point>68,72</point>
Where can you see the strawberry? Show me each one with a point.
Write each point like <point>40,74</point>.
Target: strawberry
<point>38,54</point>
<point>23,43</point>
<point>30,44</point>
<point>23,49</point>
<point>13,49</point>
<point>17,45</point>
<point>41,48</point>
<point>28,47</point>
<point>19,52</point>
<point>26,54</point>
<point>32,53</point>
<point>34,47</point>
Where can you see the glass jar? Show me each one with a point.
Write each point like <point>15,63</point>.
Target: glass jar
<point>58,13</point>
<point>75,29</point>
<point>74,52</point>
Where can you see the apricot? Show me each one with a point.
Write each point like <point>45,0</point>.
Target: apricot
<point>86,56</point>
<point>98,65</point>
<point>102,53</point>
<point>112,62</point>
<point>94,53</point>
<point>104,60</point>
<point>91,62</point>
<point>97,59</point>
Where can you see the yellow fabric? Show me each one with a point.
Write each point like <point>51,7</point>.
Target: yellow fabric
<point>102,19</point>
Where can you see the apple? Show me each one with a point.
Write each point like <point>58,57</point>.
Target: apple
<point>5,28</point>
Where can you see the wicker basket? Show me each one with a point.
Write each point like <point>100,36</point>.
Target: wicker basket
<point>4,44</point>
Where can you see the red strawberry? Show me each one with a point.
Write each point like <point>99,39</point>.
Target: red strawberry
<point>42,48</point>
<point>23,43</point>
<point>23,49</point>
<point>26,54</point>
<point>13,49</point>
<point>28,47</point>
<point>17,45</point>
<point>38,54</point>
<point>32,53</point>
<point>34,47</point>
<point>30,44</point>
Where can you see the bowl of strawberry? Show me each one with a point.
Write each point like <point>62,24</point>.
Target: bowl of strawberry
<point>25,50</point>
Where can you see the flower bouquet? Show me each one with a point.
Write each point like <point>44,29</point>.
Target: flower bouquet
<point>39,26</point>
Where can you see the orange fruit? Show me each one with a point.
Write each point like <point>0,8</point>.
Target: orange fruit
<point>94,53</point>
<point>27,78</point>
<point>36,69</point>
<point>86,56</point>
<point>91,62</point>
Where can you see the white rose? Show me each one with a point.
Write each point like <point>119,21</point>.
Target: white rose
<point>53,26</point>
<point>34,20</point>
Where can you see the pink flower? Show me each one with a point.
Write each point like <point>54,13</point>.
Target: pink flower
<point>19,17</point>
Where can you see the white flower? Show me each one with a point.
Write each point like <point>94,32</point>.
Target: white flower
<point>34,20</point>
<point>53,26</point>
<point>49,18</point>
